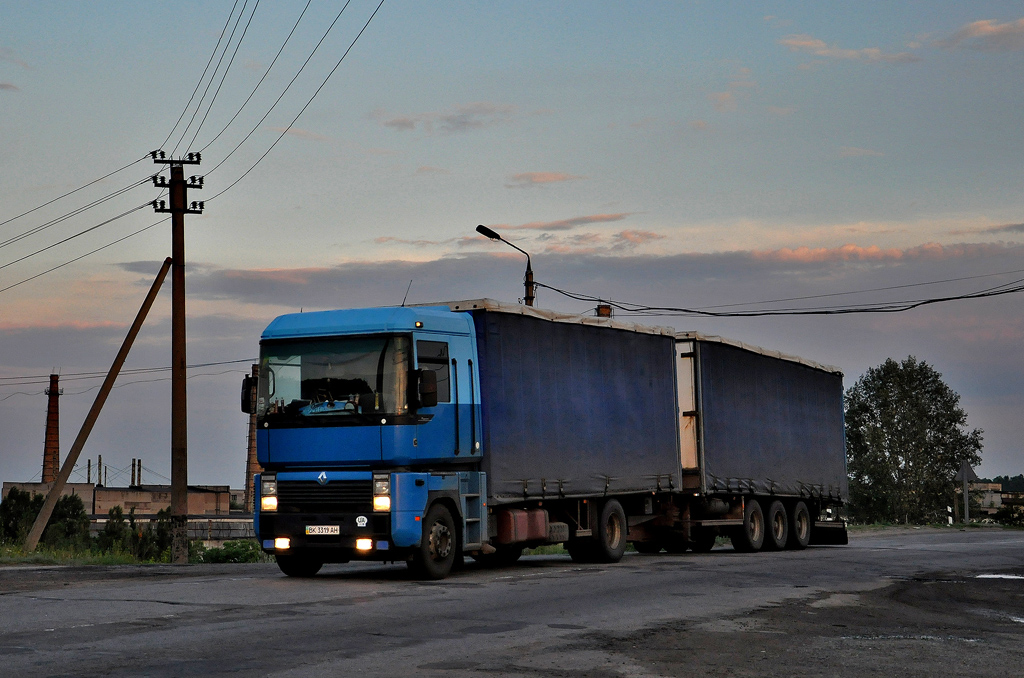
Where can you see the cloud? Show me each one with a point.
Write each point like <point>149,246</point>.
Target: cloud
<point>632,238</point>
<point>1005,228</point>
<point>530,179</point>
<point>988,36</point>
<point>699,125</point>
<point>853,152</point>
<point>724,102</point>
<point>430,169</point>
<point>812,45</point>
<point>6,86</point>
<point>928,251</point>
<point>383,240</point>
<point>7,54</point>
<point>301,133</point>
<point>565,224</point>
<point>462,118</point>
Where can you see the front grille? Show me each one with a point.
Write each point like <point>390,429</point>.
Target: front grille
<point>338,496</point>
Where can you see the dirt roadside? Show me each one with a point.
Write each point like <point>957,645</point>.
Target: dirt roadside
<point>942,624</point>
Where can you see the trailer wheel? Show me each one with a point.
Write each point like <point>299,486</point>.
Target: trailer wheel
<point>436,554</point>
<point>799,527</point>
<point>611,532</point>
<point>648,547</point>
<point>750,536</point>
<point>702,540</point>
<point>298,566</point>
<point>777,523</point>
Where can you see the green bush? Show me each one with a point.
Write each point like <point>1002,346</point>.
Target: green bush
<point>68,527</point>
<point>238,551</point>
<point>18,511</point>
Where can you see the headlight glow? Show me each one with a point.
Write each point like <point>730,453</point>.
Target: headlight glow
<point>268,503</point>
<point>282,543</point>
<point>382,503</point>
<point>364,544</point>
<point>382,493</point>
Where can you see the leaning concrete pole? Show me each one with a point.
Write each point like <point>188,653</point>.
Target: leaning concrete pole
<point>90,420</point>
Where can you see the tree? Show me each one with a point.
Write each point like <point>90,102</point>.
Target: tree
<point>69,524</point>
<point>906,438</point>
<point>18,511</point>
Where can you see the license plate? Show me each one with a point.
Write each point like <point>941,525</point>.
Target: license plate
<point>323,529</point>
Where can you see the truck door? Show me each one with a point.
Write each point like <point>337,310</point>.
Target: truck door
<point>436,428</point>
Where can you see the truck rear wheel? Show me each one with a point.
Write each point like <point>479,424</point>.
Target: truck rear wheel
<point>799,527</point>
<point>436,554</point>
<point>777,524</point>
<point>298,566</point>
<point>750,536</point>
<point>702,540</point>
<point>611,534</point>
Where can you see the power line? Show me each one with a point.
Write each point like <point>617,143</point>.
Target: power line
<point>212,76</point>
<point>872,289</point>
<point>224,76</point>
<point>265,74</point>
<point>72,213</point>
<point>76,376</point>
<point>72,237</point>
<point>83,256</point>
<point>281,96</point>
<point>201,77</point>
<point>95,181</point>
<point>630,308</point>
<point>295,119</point>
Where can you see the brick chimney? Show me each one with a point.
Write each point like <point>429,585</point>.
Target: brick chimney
<point>51,448</point>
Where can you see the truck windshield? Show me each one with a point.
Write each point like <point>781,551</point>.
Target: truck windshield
<point>338,378</point>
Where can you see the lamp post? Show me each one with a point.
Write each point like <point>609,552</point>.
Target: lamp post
<point>528,278</point>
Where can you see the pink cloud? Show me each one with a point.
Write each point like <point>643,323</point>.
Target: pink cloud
<point>462,118</point>
<point>928,251</point>
<point>812,45</point>
<point>637,237</point>
<point>8,87</point>
<point>988,35</point>
<point>565,224</point>
<point>724,102</point>
<point>529,179</point>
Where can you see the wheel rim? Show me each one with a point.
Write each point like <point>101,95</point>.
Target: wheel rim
<point>803,525</point>
<point>779,526</point>
<point>440,541</point>
<point>756,527</point>
<point>613,532</point>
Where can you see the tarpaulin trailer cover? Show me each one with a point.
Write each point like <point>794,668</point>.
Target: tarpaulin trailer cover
<point>769,425</point>
<point>570,409</point>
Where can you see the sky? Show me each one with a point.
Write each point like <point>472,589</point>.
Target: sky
<point>681,154</point>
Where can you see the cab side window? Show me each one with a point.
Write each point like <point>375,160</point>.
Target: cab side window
<point>433,355</point>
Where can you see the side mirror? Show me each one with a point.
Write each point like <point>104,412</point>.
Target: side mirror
<point>427,387</point>
<point>247,384</point>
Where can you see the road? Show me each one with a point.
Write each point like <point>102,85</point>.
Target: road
<point>901,601</point>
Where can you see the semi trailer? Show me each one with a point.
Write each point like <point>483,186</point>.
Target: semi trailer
<point>477,428</point>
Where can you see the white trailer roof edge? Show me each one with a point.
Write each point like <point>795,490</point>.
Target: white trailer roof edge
<point>560,317</point>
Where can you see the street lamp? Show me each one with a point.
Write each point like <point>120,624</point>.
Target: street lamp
<point>528,278</point>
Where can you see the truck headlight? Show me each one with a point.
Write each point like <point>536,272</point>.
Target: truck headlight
<point>268,493</point>
<point>382,493</point>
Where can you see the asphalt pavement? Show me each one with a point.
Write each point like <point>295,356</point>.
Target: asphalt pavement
<point>908,602</point>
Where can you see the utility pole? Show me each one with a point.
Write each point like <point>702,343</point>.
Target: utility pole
<point>177,194</point>
<point>252,464</point>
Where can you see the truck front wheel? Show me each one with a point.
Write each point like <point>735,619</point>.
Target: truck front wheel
<point>611,536</point>
<point>750,536</point>
<point>436,554</point>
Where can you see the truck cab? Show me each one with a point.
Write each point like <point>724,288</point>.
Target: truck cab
<point>368,433</point>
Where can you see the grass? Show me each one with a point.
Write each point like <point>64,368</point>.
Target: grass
<point>12,555</point>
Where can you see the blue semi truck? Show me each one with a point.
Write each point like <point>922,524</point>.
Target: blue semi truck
<point>425,434</point>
